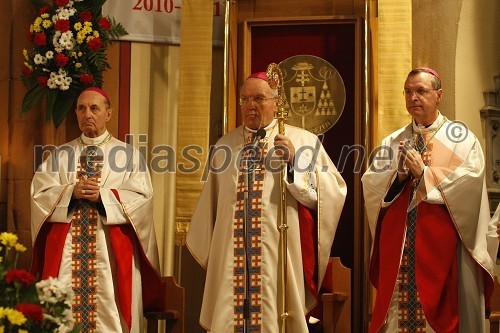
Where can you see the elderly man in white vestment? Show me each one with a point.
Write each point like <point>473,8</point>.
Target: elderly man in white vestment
<point>92,227</point>
<point>426,202</point>
<point>234,231</point>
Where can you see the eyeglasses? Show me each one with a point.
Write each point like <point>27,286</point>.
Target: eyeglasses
<point>259,100</point>
<point>419,92</point>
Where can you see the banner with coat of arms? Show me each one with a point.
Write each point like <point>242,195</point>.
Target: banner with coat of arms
<point>158,21</point>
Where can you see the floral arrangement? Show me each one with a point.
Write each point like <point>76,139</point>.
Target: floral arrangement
<point>69,40</point>
<point>26,306</point>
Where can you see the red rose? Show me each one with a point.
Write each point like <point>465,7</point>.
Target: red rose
<point>31,311</point>
<point>86,79</point>
<point>85,16</point>
<point>95,44</point>
<point>40,39</point>
<point>26,71</point>
<point>62,25</point>
<point>44,9</point>
<point>62,3</point>
<point>62,60</point>
<point>42,80</point>
<point>104,23</point>
<point>19,275</point>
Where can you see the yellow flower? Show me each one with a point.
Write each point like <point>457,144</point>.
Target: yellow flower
<point>46,24</point>
<point>35,28</point>
<point>25,54</point>
<point>44,15</point>
<point>78,26</point>
<point>80,54</point>
<point>80,36</point>
<point>78,65</point>
<point>21,331</point>
<point>36,25</point>
<point>2,329</point>
<point>15,317</point>
<point>96,33</point>
<point>1,259</point>
<point>87,29</point>
<point>20,247</point>
<point>7,238</point>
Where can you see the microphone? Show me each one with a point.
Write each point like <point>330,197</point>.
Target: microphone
<point>259,135</point>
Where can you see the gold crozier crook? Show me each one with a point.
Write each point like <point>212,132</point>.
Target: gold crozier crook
<point>275,80</point>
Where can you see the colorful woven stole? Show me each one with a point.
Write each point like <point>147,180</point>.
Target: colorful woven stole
<point>84,231</point>
<point>254,186</point>
<point>410,314</point>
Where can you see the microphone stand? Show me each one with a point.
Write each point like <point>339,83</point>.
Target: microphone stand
<point>250,167</point>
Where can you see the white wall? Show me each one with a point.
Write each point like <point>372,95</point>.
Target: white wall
<point>477,59</point>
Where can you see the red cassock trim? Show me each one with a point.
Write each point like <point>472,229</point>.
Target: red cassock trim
<point>436,262</point>
<point>308,226</point>
<point>122,238</point>
<point>153,293</point>
<point>309,247</point>
<point>122,241</point>
<point>46,260</point>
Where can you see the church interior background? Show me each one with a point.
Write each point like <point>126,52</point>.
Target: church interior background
<point>182,94</point>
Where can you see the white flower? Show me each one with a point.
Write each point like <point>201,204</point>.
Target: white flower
<point>51,84</point>
<point>66,40</point>
<point>39,59</point>
<point>59,80</point>
<point>56,297</point>
<point>66,83</point>
<point>55,39</point>
<point>49,54</point>
<point>63,329</point>
<point>65,13</point>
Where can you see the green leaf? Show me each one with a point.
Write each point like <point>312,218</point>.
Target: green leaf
<point>38,3</point>
<point>117,30</point>
<point>97,7</point>
<point>99,3</point>
<point>50,100</point>
<point>62,105</point>
<point>98,59</point>
<point>32,98</point>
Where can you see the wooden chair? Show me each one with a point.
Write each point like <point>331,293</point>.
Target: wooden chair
<point>495,308</point>
<point>173,312</point>
<point>337,304</point>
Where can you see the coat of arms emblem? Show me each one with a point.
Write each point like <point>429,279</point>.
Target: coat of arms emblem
<point>315,92</point>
